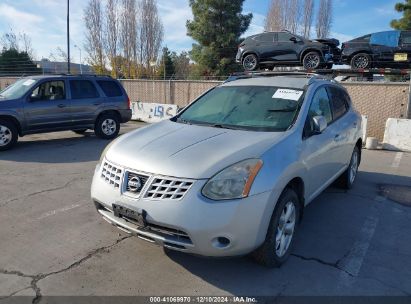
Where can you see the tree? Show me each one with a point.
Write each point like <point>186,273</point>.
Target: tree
<point>307,18</point>
<point>17,63</point>
<point>181,65</point>
<point>283,15</point>
<point>128,35</point>
<point>166,69</point>
<point>93,17</point>
<point>20,42</point>
<point>403,23</point>
<point>217,27</point>
<point>111,34</point>
<point>151,32</point>
<point>324,18</point>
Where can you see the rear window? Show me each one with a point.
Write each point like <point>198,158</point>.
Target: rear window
<point>339,102</point>
<point>110,88</point>
<point>81,89</point>
<point>267,37</point>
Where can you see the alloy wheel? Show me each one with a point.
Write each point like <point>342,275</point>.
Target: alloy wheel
<point>311,61</point>
<point>5,135</point>
<point>353,167</point>
<point>250,62</point>
<point>361,62</point>
<point>109,126</point>
<point>285,229</point>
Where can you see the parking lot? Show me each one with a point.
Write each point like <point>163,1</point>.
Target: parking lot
<point>53,242</point>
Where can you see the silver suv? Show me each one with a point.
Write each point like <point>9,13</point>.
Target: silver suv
<point>233,171</point>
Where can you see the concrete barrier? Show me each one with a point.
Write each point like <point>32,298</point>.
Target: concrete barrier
<point>397,136</point>
<point>152,112</point>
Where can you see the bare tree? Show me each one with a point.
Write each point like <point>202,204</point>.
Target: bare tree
<point>10,41</point>
<point>283,15</point>
<point>93,17</point>
<point>128,34</point>
<point>111,34</point>
<point>307,18</point>
<point>324,18</point>
<point>151,32</point>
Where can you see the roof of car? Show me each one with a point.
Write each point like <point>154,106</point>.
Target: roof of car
<point>297,82</point>
<point>66,75</point>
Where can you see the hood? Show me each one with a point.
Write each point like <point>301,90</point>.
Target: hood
<point>328,41</point>
<point>188,151</point>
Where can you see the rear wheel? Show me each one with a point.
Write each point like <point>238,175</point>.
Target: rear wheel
<point>280,236</point>
<point>8,135</point>
<point>361,61</point>
<point>107,126</point>
<point>348,177</point>
<point>312,61</point>
<point>250,62</point>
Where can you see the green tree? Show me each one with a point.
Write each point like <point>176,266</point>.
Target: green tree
<point>403,23</point>
<point>217,27</point>
<point>17,63</point>
<point>166,69</point>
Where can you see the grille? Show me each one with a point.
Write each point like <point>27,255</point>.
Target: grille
<point>161,188</point>
<point>143,180</point>
<point>111,174</point>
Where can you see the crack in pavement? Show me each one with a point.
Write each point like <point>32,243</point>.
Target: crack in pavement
<point>13,293</point>
<point>38,277</point>
<point>5,203</point>
<point>335,265</point>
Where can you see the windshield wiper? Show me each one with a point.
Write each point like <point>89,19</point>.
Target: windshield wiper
<point>283,110</point>
<point>181,120</point>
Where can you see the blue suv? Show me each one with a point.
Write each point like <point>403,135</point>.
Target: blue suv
<point>41,104</point>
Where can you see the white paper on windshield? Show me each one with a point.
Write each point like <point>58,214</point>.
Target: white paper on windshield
<point>288,94</point>
<point>28,82</point>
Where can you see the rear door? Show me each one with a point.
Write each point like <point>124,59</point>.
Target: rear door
<point>86,101</point>
<point>345,126</point>
<point>265,46</point>
<point>47,107</point>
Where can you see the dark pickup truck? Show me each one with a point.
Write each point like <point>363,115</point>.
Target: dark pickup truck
<point>41,104</point>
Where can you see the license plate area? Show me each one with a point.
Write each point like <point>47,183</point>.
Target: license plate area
<point>401,57</point>
<point>133,216</point>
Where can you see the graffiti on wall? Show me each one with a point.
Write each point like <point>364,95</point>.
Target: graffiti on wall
<point>152,112</point>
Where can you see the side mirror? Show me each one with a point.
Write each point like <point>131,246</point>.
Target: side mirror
<point>294,39</point>
<point>319,124</point>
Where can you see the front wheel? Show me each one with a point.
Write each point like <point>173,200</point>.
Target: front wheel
<point>107,126</point>
<point>312,61</point>
<point>281,232</point>
<point>8,135</point>
<point>361,61</point>
<point>250,62</point>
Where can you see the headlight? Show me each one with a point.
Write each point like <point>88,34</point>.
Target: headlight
<point>233,182</point>
<point>103,154</point>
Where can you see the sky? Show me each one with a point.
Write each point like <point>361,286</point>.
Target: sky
<point>44,21</point>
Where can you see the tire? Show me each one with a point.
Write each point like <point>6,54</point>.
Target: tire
<point>250,62</point>
<point>8,135</point>
<point>80,132</point>
<point>107,126</point>
<point>361,61</point>
<point>347,179</point>
<point>269,254</point>
<point>312,61</point>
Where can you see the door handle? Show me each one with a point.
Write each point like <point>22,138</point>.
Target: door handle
<point>61,105</point>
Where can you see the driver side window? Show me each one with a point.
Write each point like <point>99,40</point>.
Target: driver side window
<point>320,106</point>
<point>49,90</point>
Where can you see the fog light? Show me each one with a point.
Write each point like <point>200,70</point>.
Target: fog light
<point>221,242</point>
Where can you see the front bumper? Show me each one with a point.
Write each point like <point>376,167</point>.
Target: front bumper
<point>193,224</point>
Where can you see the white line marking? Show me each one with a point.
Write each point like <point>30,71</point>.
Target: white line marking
<point>56,211</point>
<point>397,160</point>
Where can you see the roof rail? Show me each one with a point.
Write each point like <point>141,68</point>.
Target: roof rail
<point>247,75</point>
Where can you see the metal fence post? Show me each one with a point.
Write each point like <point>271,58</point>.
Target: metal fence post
<point>409,101</point>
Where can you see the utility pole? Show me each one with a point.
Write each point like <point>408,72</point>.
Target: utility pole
<point>68,36</point>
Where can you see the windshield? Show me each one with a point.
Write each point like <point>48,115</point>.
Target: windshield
<point>256,108</point>
<point>18,89</point>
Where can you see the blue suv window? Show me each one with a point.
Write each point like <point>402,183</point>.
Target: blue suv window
<point>390,38</point>
<point>110,88</point>
<point>81,89</point>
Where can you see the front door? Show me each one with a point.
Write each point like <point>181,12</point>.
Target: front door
<point>46,107</point>
<point>318,150</point>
